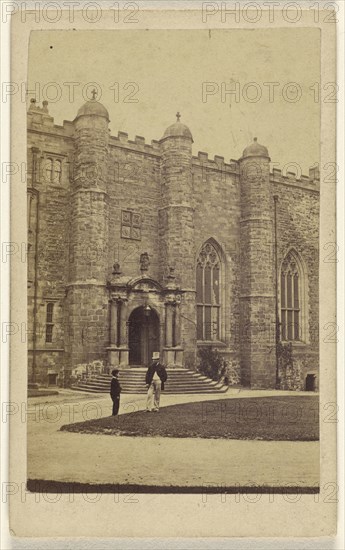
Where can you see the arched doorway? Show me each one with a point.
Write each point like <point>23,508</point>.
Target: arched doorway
<point>143,336</point>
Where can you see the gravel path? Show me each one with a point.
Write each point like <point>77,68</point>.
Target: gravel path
<point>83,458</point>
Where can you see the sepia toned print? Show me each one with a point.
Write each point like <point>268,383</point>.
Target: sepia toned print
<point>141,250</point>
<point>173,280</point>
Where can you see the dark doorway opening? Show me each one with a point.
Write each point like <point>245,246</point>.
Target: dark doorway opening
<point>52,379</point>
<point>143,336</point>
<point>310,382</point>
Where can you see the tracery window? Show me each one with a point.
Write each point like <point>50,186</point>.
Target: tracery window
<point>290,288</point>
<point>208,298</point>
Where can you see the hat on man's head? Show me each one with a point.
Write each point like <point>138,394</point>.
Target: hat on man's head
<point>155,356</point>
<point>115,372</point>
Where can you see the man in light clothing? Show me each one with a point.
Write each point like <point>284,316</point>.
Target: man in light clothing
<point>156,375</point>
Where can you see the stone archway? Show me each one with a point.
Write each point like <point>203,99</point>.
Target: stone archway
<point>143,335</point>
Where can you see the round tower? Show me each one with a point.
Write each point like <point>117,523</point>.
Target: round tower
<point>86,291</point>
<point>176,232</point>
<point>257,297</point>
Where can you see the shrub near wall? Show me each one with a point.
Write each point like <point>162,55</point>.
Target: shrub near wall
<point>232,375</point>
<point>211,363</point>
<point>289,369</point>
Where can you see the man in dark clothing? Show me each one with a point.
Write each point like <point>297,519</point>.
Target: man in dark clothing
<point>115,390</point>
<point>156,375</point>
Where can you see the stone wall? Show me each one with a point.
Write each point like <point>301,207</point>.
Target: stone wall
<point>118,199</point>
<point>48,239</point>
<point>298,229</point>
<point>216,199</point>
<point>257,317</point>
<point>134,187</point>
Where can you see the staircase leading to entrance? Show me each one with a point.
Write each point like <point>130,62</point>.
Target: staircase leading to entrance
<point>132,380</point>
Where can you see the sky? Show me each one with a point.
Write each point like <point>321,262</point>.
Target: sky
<point>145,76</point>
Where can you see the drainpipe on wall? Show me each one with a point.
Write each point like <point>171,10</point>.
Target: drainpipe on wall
<point>35,150</point>
<point>277,324</point>
<point>34,340</point>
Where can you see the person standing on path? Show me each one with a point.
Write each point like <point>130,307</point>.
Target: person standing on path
<point>156,375</point>
<point>115,390</point>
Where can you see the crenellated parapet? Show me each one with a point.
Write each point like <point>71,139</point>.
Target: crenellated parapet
<point>215,165</point>
<point>138,145</point>
<point>311,182</point>
<point>39,119</point>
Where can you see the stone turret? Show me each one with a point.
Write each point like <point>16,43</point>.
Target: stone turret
<point>257,296</point>
<point>176,223</point>
<point>86,290</point>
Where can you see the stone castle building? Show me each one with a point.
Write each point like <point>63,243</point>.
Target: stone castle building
<point>137,247</point>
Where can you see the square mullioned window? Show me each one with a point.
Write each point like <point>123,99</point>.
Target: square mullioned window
<point>52,170</point>
<point>130,225</point>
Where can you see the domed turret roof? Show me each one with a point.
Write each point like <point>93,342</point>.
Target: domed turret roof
<point>93,108</point>
<point>178,129</point>
<point>255,150</point>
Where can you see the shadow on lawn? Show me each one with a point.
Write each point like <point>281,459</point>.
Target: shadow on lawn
<point>278,418</point>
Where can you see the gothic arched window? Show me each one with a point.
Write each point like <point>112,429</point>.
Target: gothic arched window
<point>208,293</point>
<point>291,299</point>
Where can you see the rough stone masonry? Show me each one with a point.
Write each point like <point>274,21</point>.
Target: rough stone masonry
<point>136,247</point>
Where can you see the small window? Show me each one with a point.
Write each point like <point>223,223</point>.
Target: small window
<point>49,322</point>
<point>49,170</point>
<point>52,170</point>
<point>57,171</point>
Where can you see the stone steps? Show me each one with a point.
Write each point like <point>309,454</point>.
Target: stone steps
<point>180,381</point>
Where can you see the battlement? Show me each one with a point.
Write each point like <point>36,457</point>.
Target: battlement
<point>218,163</point>
<point>138,144</point>
<point>39,119</point>
<point>311,182</point>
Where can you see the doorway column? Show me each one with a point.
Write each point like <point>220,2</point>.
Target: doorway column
<point>169,353</point>
<point>177,325</point>
<point>124,333</point>
<point>178,349</point>
<point>113,349</point>
<point>113,323</point>
<point>173,352</point>
<point>168,325</point>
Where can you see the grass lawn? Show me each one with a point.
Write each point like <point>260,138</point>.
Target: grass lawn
<point>41,393</point>
<point>282,418</point>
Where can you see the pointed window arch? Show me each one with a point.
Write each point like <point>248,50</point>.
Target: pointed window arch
<point>208,295</point>
<point>292,293</point>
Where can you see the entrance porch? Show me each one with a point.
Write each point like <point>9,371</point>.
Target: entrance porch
<point>144,318</point>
